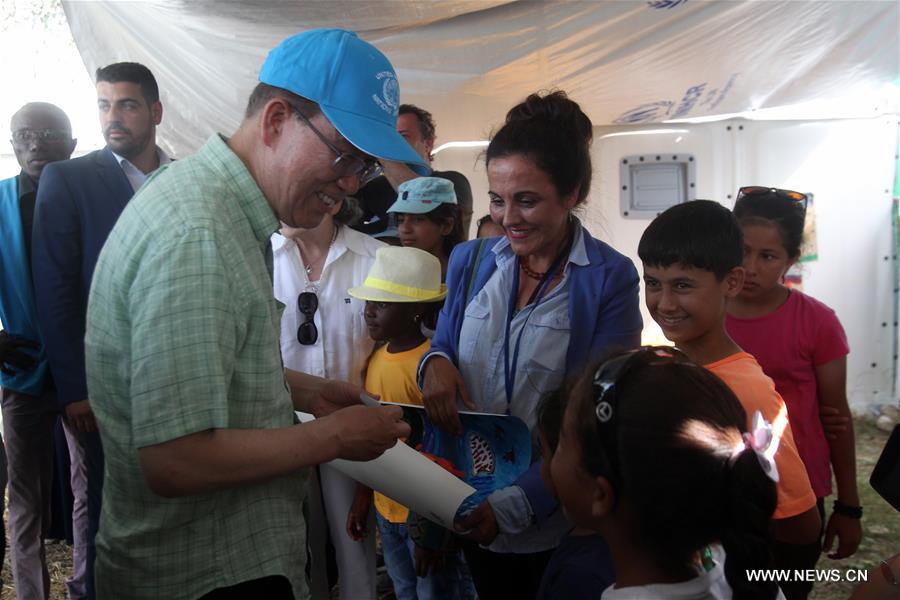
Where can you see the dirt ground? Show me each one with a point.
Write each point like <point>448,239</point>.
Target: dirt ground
<point>881,523</point>
<point>59,562</point>
<point>881,534</point>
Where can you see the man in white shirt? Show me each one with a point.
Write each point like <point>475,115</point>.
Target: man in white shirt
<point>327,337</point>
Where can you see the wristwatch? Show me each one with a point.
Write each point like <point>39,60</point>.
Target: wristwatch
<point>853,512</point>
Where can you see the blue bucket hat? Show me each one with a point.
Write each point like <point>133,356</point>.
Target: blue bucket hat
<point>353,83</point>
<point>422,195</point>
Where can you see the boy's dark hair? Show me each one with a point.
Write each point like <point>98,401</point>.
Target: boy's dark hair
<point>786,214</point>
<point>674,426</point>
<point>702,234</point>
<point>131,72</point>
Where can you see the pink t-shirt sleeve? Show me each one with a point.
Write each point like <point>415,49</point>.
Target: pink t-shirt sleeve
<point>789,343</point>
<point>830,338</point>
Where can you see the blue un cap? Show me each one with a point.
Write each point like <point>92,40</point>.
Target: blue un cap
<point>354,84</point>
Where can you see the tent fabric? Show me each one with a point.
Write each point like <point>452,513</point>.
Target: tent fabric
<point>469,61</point>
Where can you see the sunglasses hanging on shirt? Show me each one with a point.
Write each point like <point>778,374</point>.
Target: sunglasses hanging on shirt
<point>307,304</point>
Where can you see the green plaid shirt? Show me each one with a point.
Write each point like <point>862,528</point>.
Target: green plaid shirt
<point>182,337</point>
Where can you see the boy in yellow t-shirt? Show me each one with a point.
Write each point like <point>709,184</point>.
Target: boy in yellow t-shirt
<point>391,374</point>
<point>397,291</point>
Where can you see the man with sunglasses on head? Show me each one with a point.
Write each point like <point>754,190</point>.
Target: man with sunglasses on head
<point>205,471</point>
<point>77,206</point>
<point>41,134</point>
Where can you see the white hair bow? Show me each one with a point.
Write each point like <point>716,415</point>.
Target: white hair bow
<point>764,444</point>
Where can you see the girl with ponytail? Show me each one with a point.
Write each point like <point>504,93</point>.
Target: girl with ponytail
<point>655,455</point>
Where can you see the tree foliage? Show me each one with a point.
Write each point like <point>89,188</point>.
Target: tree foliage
<point>39,15</point>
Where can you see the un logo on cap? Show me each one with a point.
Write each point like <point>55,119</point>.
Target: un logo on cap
<point>390,93</point>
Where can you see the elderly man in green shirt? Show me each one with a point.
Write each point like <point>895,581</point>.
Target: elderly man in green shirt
<point>204,475</point>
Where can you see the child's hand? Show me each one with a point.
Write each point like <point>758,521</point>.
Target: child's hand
<point>358,515</point>
<point>427,561</point>
<point>848,532</point>
<point>833,422</point>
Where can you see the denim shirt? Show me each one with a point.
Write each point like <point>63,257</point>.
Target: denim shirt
<point>543,332</point>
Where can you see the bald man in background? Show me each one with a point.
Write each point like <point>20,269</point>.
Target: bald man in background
<point>41,134</point>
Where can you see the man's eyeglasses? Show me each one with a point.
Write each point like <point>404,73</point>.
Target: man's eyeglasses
<point>307,304</point>
<point>797,198</point>
<point>345,164</point>
<point>49,136</point>
<point>606,404</point>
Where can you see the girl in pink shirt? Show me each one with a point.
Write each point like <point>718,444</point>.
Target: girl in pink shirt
<point>801,345</point>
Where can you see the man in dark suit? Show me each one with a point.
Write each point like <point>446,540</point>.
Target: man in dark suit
<point>78,203</point>
<point>41,134</point>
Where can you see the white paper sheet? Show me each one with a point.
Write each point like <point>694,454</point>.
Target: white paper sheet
<point>409,478</point>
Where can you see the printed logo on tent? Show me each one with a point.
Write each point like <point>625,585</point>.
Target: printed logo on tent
<point>389,101</point>
<point>647,113</point>
<point>697,95</point>
<point>665,3</point>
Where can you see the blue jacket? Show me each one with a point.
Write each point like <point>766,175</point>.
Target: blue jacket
<point>604,310</point>
<point>17,311</point>
<point>78,203</point>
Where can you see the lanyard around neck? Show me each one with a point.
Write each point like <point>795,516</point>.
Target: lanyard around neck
<point>509,369</point>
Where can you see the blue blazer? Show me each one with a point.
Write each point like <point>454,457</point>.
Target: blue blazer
<point>604,303</point>
<point>78,203</point>
<point>604,312</point>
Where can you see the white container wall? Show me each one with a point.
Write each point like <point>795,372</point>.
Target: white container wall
<point>847,164</point>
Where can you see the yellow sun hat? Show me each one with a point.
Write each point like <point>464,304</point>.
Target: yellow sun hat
<point>402,274</point>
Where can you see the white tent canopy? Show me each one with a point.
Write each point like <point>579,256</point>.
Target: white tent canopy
<point>468,61</point>
<point>630,64</point>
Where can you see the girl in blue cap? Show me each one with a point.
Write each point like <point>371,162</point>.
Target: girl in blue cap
<point>428,217</point>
